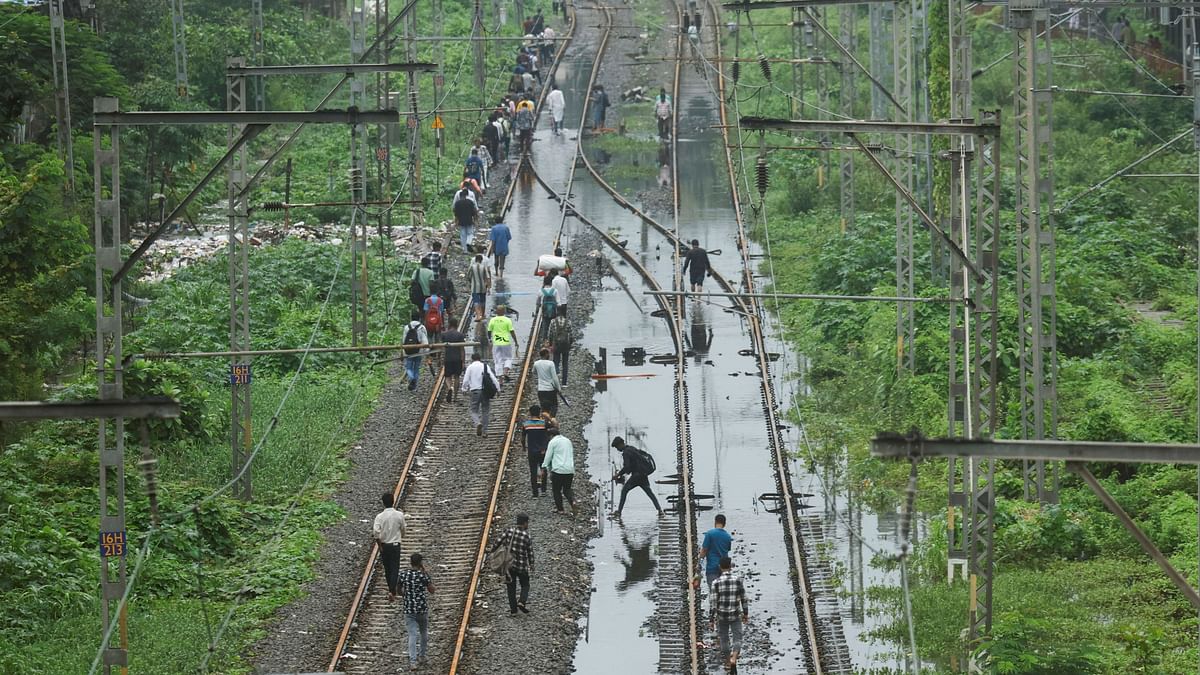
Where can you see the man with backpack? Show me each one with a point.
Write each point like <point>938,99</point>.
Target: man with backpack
<point>474,167</point>
<point>435,316</point>
<point>524,123</point>
<point>559,335</point>
<point>515,562</point>
<point>415,338</point>
<point>480,383</point>
<point>421,285</point>
<point>444,287</point>
<point>638,465</point>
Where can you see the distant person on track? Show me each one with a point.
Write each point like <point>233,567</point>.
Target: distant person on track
<point>635,465</point>
<point>491,136</point>
<point>533,434</point>
<point>523,122</point>
<point>559,335</point>
<point>452,361</point>
<point>716,545</point>
<point>662,112</point>
<point>389,532</point>
<point>697,259</point>
<point>444,287</point>
<point>475,169</point>
<point>547,46</point>
<point>520,545</point>
<point>562,292</point>
<point>504,340</point>
<point>465,210</point>
<point>600,105</point>
<point>557,105</point>
<point>560,463</point>
<point>479,277</point>
<point>728,609</point>
<point>473,383</point>
<point>415,585</point>
<point>499,235</point>
<point>548,386</point>
<point>415,339</point>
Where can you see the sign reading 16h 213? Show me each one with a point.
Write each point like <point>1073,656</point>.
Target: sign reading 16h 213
<point>112,544</point>
<point>239,374</point>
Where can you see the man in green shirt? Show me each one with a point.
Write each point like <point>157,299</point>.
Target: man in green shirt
<point>423,277</point>
<point>504,340</point>
<point>560,462</point>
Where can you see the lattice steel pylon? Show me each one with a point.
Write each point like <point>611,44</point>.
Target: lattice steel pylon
<point>879,18</point>
<point>1037,305</point>
<point>902,90</point>
<point>849,38</point>
<point>241,428</point>
<point>179,40</point>
<point>414,122</point>
<point>477,49</point>
<point>256,54</point>
<point>359,333</point>
<point>110,376</point>
<point>62,89</point>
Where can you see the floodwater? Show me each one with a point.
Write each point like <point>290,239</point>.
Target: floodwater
<point>729,437</point>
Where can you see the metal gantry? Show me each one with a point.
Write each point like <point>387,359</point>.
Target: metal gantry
<point>879,37</point>
<point>414,125</point>
<point>62,89</point>
<point>256,52</point>
<point>358,185</point>
<point>179,40</point>
<point>1034,194</point>
<point>241,436</point>
<point>849,37</point>
<point>902,87</point>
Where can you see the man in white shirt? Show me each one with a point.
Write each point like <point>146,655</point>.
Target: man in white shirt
<point>416,336</point>
<point>389,531</point>
<point>560,462</point>
<point>548,386</point>
<point>562,292</point>
<point>472,384</point>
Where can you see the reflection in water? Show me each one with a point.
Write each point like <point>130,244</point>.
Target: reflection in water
<point>701,335</point>
<point>664,166</point>
<point>641,564</point>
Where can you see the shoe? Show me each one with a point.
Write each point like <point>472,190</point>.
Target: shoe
<point>412,385</point>
<point>478,429</point>
<point>523,608</point>
<point>449,396</point>
<point>512,612</point>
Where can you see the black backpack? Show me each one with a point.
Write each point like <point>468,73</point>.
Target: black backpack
<point>415,294</point>
<point>489,385</point>
<point>412,336</point>
<point>644,461</point>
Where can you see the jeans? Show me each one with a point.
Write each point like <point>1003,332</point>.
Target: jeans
<point>418,636</point>
<point>464,237</point>
<point>561,354</point>
<point>390,555</point>
<point>724,628</point>
<point>711,575</point>
<point>535,468</point>
<point>412,369</point>
<point>638,480</point>
<point>515,575</point>
<point>481,408</point>
<point>560,483</point>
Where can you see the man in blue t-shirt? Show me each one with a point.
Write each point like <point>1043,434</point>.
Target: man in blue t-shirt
<point>500,236</point>
<point>715,546</point>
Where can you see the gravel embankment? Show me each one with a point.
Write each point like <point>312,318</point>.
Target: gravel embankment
<point>303,635</point>
<point>543,641</point>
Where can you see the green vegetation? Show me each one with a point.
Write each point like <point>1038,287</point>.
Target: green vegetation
<point>224,554</point>
<point>1073,594</point>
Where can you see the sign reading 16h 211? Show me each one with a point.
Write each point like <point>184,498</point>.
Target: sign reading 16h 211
<point>239,373</point>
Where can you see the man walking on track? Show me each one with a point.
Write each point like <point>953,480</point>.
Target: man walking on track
<point>557,105</point>
<point>389,532</point>
<point>500,236</point>
<point>662,112</point>
<point>415,584</point>
<point>452,360</point>
<point>480,279</point>
<point>560,341</point>
<point>562,292</point>
<point>533,433</point>
<point>548,386</point>
<point>415,338</point>
<point>520,545</point>
<point>716,545</point>
<point>638,465</point>
<point>697,258</point>
<point>481,385</point>
<point>465,211</point>
<point>560,462</point>
<point>504,340</point>
<point>728,609</point>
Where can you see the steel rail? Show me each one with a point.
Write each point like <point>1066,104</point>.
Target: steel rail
<point>431,407</point>
<point>779,456</point>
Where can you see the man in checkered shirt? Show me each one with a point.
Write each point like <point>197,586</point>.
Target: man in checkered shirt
<point>726,598</point>
<point>522,562</point>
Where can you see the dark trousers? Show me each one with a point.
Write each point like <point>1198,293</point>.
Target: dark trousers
<point>561,354</point>
<point>638,480</point>
<point>515,575</point>
<point>560,483</point>
<point>548,400</point>
<point>535,468</point>
<point>390,553</point>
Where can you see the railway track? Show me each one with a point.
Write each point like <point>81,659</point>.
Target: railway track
<point>449,509</point>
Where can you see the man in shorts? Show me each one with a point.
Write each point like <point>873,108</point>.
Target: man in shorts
<point>697,259</point>
<point>479,278</point>
<point>452,361</point>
